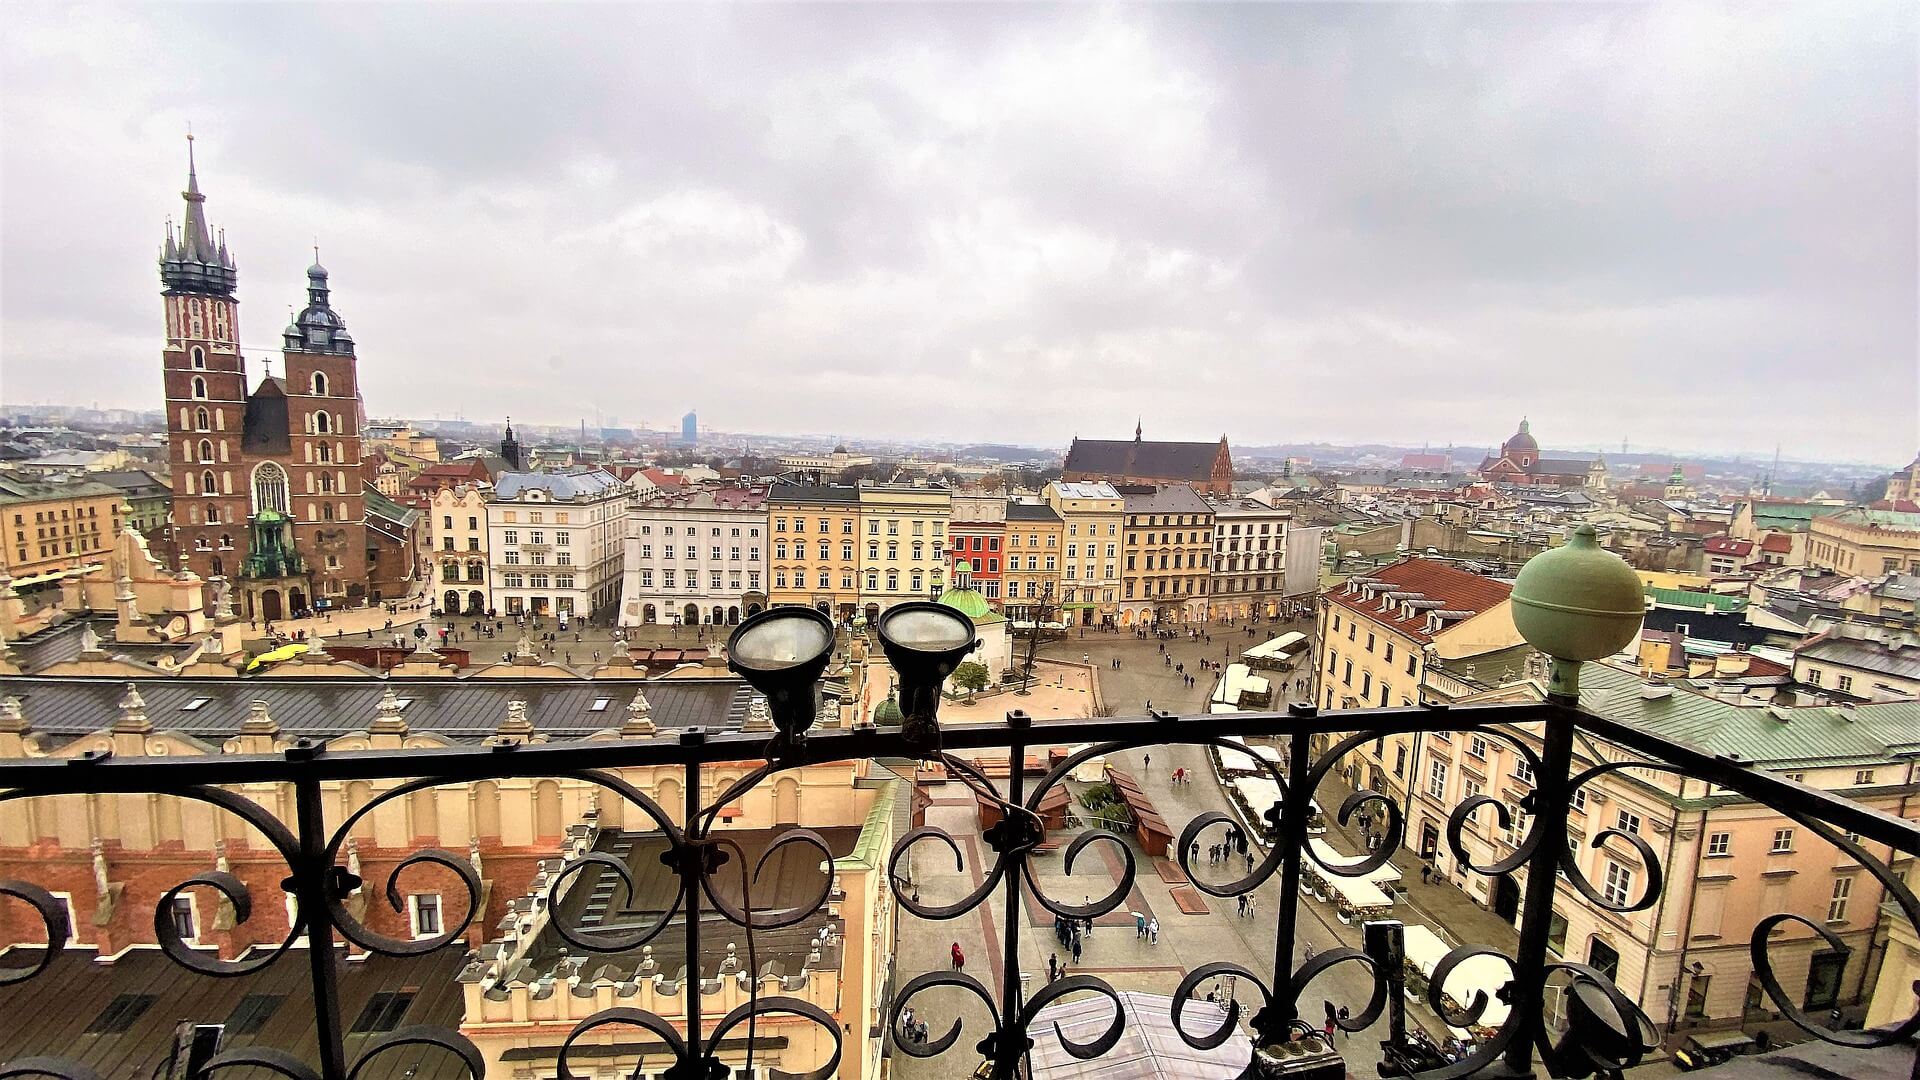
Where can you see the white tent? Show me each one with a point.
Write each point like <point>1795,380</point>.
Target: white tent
<point>1486,974</point>
<point>1326,855</point>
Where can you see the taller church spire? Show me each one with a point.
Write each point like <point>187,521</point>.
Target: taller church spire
<point>192,262</point>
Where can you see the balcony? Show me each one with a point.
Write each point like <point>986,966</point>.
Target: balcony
<point>706,888</point>
<point>587,979</point>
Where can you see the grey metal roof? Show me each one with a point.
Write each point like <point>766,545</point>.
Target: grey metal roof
<point>586,483</point>
<point>462,709</point>
<point>1872,656</point>
<point>1019,511</point>
<point>813,493</point>
<point>1172,499</point>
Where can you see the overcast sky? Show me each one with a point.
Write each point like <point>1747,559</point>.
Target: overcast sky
<point>1683,226</point>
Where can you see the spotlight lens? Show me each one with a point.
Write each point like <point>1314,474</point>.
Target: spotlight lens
<point>783,643</point>
<point>927,630</point>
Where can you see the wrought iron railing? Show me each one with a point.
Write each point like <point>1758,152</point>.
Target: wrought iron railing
<point>1601,1030</point>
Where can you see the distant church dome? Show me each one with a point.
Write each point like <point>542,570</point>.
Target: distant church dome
<point>1522,440</point>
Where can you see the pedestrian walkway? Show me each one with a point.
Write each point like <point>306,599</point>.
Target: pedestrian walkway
<point>1439,903</point>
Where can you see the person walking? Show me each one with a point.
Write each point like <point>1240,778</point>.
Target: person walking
<point>1139,926</point>
<point>1146,761</point>
<point>1053,966</point>
<point>1153,931</point>
<point>959,958</point>
<point>1243,905</point>
<point>1076,950</point>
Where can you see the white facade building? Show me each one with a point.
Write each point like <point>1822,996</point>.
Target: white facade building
<point>696,558</point>
<point>556,541</point>
<point>1249,558</point>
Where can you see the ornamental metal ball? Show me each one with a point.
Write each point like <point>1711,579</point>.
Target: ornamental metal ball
<point>1577,602</point>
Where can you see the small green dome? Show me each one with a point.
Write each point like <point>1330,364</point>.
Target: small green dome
<point>967,602</point>
<point>888,712</point>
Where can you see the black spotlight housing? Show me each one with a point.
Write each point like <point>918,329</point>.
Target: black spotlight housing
<point>782,653</point>
<point>924,642</point>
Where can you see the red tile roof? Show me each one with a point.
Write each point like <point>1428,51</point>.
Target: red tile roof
<point>1456,589</point>
<point>1727,545</point>
<point>1777,542</point>
<point>665,480</point>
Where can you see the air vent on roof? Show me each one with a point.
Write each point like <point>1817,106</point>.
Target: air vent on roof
<point>1654,691</point>
<point>195,705</point>
<point>1780,713</point>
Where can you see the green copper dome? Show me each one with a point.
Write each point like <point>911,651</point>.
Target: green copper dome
<point>967,602</point>
<point>888,712</point>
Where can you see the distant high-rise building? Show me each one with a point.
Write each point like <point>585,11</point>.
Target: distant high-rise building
<point>690,428</point>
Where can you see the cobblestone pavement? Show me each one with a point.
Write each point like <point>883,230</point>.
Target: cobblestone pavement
<point>1114,952</point>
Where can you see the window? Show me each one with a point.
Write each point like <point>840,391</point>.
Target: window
<point>270,488</point>
<point>1837,904</point>
<point>1618,887</point>
<point>1863,776</point>
<point>120,1014</point>
<point>319,384</point>
<point>1782,842</point>
<point>1627,821</point>
<point>426,906</point>
<point>252,1013</point>
<point>1846,684</point>
<point>186,922</point>
<point>1522,769</point>
<point>1437,779</point>
<point>1697,996</point>
<point>1477,746</point>
<point>199,388</point>
<point>199,357</point>
<point>1410,662</point>
<point>383,1011</point>
<point>1719,844</point>
<point>1389,644</point>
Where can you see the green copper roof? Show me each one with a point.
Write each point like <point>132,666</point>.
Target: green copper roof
<point>1806,736</point>
<point>888,712</point>
<point>870,851</point>
<point>970,603</point>
<point>1698,601</point>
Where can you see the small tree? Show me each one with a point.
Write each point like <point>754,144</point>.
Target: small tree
<point>971,677</point>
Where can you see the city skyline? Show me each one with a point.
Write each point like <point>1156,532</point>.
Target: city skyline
<point>966,226</point>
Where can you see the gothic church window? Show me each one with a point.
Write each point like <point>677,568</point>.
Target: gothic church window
<point>270,488</point>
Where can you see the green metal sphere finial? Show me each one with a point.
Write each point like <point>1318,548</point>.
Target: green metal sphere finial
<point>1577,602</point>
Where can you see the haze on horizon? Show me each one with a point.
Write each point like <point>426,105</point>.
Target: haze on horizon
<point>1683,225</point>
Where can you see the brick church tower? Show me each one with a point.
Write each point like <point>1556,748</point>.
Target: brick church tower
<point>267,484</point>
<point>206,388</point>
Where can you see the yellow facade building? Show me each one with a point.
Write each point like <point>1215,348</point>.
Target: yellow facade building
<point>903,544</point>
<point>1169,555</point>
<point>814,560</point>
<point>1035,539</point>
<point>1093,513</point>
<point>1866,543</point>
<point>50,528</point>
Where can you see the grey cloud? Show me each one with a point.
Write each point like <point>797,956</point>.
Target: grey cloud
<point>1687,224</point>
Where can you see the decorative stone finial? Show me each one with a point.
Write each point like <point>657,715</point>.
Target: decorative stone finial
<point>516,722</point>
<point>639,721</point>
<point>89,642</point>
<point>13,720</point>
<point>259,721</point>
<point>759,717</point>
<point>316,649</point>
<point>133,713</point>
<point>389,716</point>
